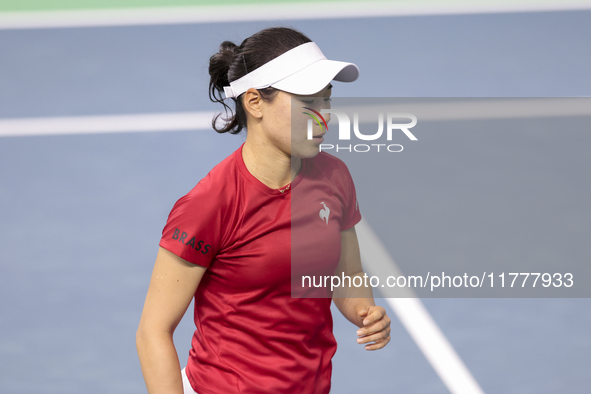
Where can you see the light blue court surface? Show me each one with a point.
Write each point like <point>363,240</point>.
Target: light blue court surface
<point>81,216</point>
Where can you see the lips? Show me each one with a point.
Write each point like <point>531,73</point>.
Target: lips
<point>319,139</point>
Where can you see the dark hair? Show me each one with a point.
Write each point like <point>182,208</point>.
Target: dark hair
<point>233,62</point>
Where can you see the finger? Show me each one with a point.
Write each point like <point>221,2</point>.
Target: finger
<point>375,314</point>
<point>378,345</point>
<point>362,310</point>
<point>375,327</point>
<point>372,329</point>
<point>378,336</point>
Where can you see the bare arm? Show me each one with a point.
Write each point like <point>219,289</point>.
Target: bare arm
<point>357,303</point>
<point>348,298</point>
<point>173,284</point>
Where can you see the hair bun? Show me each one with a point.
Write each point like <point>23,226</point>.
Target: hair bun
<point>219,65</point>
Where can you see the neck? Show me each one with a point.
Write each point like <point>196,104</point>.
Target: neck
<point>269,165</point>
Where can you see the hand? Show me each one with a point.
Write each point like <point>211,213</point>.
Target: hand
<point>376,327</point>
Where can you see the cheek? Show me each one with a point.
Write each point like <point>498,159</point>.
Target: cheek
<point>285,123</point>
<point>288,118</point>
<point>299,124</point>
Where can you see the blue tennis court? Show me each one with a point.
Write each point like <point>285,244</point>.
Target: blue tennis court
<point>81,215</point>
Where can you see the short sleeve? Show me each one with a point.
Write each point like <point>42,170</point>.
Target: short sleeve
<point>193,228</point>
<point>351,213</point>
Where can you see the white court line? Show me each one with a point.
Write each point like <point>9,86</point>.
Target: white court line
<point>274,12</point>
<point>415,318</point>
<point>457,109</point>
<point>105,124</point>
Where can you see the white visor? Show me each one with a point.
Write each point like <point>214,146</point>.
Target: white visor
<point>301,70</point>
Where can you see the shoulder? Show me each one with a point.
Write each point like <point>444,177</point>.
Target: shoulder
<point>208,211</point>
<point>216,189</point>
<point>220,180</point>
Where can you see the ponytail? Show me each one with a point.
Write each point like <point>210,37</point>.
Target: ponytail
<point>219,66</point>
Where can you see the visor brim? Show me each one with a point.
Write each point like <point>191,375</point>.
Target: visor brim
<point>317,76</point>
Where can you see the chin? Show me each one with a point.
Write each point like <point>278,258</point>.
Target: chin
<point>307,152</point>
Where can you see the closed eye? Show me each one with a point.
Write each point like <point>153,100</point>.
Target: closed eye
<point>326,100</point>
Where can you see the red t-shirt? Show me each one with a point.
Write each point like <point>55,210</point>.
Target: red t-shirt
<point>252,336</point>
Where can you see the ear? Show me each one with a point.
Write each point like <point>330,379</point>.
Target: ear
<point>252,103</point>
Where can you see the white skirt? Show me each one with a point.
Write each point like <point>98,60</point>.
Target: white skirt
<point>187,389</point>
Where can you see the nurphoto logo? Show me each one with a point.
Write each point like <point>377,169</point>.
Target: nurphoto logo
<point>393,124</point>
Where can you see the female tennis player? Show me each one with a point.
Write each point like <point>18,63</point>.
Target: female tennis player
<point>229,242</point>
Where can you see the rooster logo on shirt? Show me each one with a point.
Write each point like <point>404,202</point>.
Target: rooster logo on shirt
<point>324,212</point>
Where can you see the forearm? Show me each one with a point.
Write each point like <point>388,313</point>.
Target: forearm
<point>159,361</point>
<point>348,299</point>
